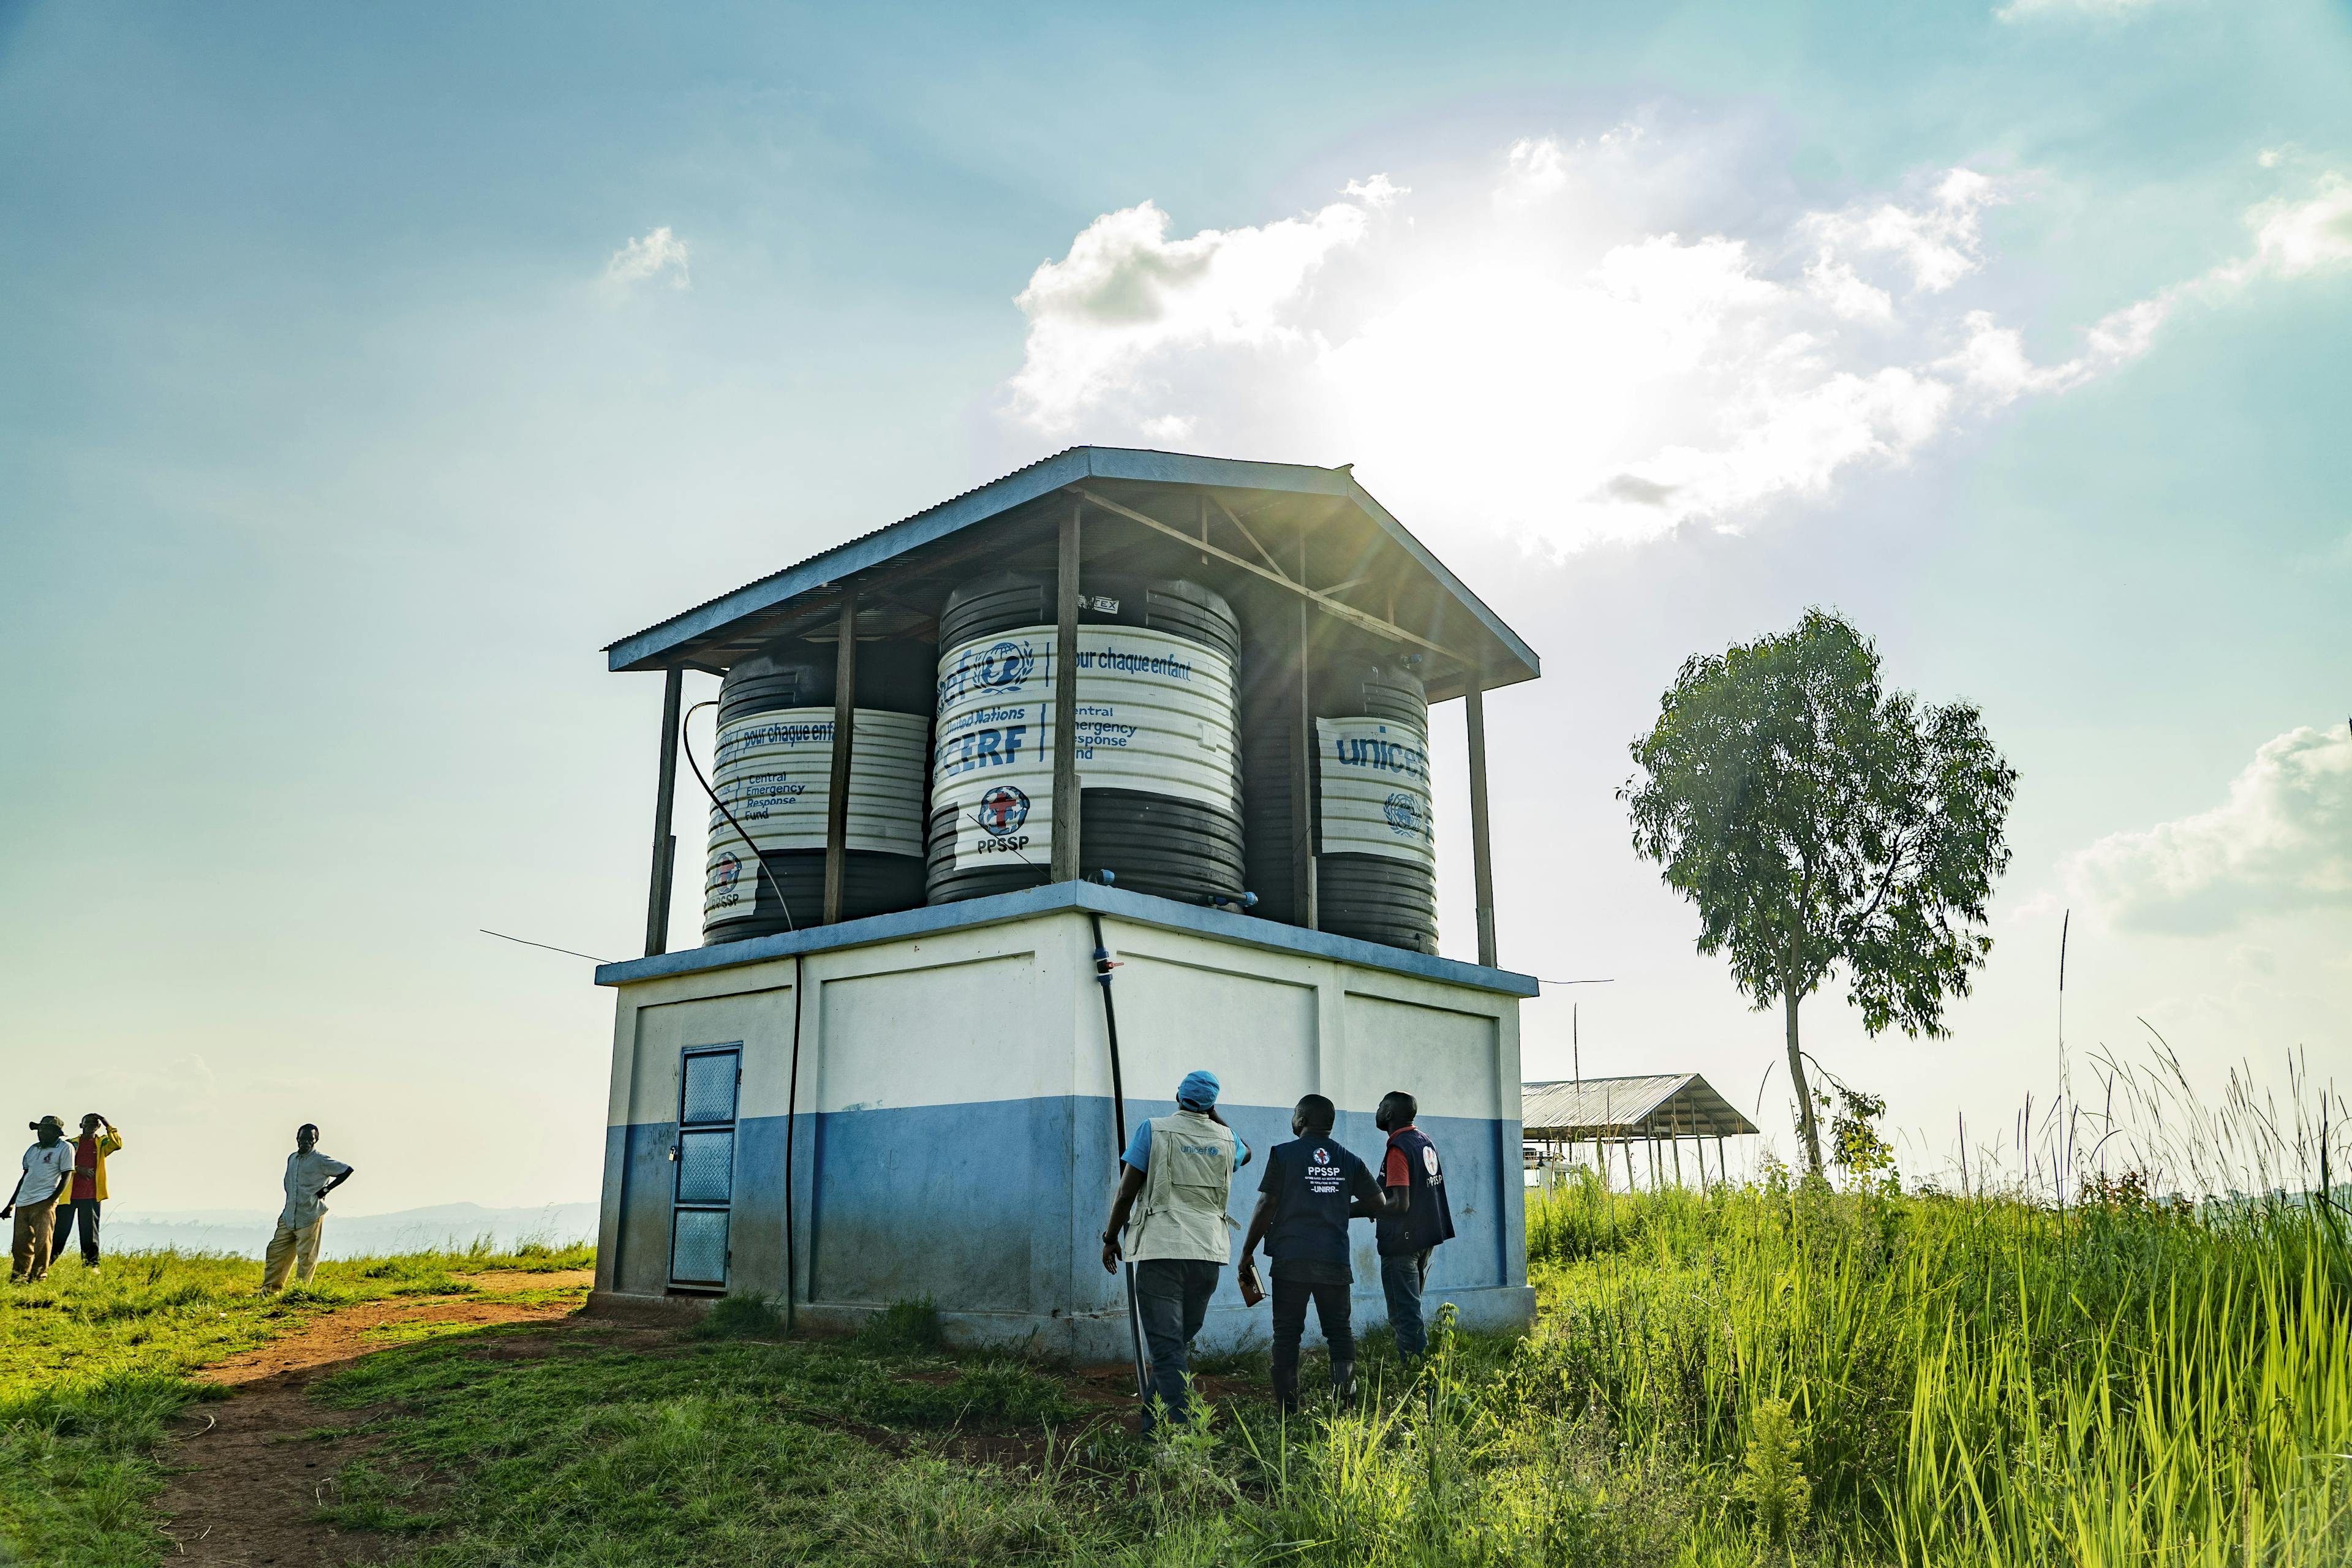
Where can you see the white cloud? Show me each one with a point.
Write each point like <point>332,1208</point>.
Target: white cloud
<point>1839,287</point>
<point>1550,348</point>
<point>2292,239</point>
<point>659,255</point>
<point>2280,843</point>
<point>1938,240</point>
<point>1126,292</point>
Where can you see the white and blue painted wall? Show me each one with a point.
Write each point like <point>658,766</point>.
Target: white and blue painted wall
<point>952,1134</point>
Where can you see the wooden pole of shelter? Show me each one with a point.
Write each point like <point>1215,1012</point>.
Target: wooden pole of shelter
<point>1722,1170</point>
<point>845,739</point>
<point>1305,897</point>
<point>1679,1159</point>
<point>1065,707</point>
<point>1482,857</point>
<point>665,866</point>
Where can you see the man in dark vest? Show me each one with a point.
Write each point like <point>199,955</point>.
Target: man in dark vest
<point>1311,1189</point>
<point>1407,1233</point>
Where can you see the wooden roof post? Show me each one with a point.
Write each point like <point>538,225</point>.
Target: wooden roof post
<point>1302,780</point>
<point>1065,817</point>
<point>844,738</point>
<point>665,865</point>
<point>1482,856</point>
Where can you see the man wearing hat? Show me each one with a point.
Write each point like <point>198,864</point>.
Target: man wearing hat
<point>48,1167</point>
<point>1178,1235</point>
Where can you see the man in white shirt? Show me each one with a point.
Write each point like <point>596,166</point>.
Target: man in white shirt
<point>48,1167</point>
<point>294,1246</point>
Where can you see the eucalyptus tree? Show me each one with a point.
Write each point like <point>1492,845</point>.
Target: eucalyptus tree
<point>1822,823</point>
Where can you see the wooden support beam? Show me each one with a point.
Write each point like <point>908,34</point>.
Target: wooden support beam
<point>1329,606</point>
<point>845,740</point>
<point>1679,1159</point>
<point>1306,899</point>
<point>1242,528</point>
<point>1482,851</point>
<point>1066,705</point>
<point>665,865</point>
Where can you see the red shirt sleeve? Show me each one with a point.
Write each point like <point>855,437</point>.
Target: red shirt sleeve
<point>1395,1171</point>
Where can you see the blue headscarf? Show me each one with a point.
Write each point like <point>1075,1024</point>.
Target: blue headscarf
<point>1198,1091</point>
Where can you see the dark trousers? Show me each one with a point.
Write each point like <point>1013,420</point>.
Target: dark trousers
<point>1402,1279</point>
<point>1290,1299</point>
<point>69,1211</point>
<point>1172,1295</point>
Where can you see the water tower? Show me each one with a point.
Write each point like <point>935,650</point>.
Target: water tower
<point>1167,709</point>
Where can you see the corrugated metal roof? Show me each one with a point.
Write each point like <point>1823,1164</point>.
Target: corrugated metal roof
<point>1653,1106</point>
<point>847,545</point>
<point>687,637</point>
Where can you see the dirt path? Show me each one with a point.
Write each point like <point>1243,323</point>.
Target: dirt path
<point>247,1487</point>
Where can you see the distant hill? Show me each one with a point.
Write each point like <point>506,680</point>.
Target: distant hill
<point>245,1232</point>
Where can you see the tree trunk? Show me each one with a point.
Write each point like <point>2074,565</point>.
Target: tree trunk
<point>1797,1080</point>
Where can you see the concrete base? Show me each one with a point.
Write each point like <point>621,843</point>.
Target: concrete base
<point>674,1311</point>
<point>937,1085</point>
<point>1092,1338</point>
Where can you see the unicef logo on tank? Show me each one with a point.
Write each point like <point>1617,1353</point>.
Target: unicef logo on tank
<point>996,671</point>
<point>1406,817</point>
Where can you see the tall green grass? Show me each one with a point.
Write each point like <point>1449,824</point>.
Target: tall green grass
<point>1977,1379</point>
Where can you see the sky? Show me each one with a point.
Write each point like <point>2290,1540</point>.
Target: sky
<point>365,372</point>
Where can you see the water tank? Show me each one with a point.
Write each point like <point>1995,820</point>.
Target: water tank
<point>1158,748</point>
<point>774,772</point>
<point>1376,866</point>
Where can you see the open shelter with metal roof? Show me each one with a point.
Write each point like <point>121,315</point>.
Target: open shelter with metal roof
<point>1653,1108</point>
<point>1316,569</point>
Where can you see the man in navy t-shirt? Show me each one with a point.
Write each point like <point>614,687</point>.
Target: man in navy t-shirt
<point>1312,1187</point>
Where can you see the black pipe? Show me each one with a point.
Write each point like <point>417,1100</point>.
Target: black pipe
<point>1103,967</point>
<point>791,1115</point>
<point>757,853</point>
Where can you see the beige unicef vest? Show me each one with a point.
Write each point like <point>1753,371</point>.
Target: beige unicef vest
<point>1183,1210</point>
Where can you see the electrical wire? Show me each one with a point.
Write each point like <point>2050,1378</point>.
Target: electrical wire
<point>548,946</point>
<point>757,853</point>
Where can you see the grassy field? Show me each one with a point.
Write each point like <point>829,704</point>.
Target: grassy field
<point>92,1366</point>
<point>1771,1373</point>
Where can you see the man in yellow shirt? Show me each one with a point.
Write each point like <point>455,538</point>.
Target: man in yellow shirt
<point>78,1203</point>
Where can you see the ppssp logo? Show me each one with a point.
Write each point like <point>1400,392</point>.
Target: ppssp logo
<point>998,670</point>
<point>1000,814</point>
<point>1003,810</point>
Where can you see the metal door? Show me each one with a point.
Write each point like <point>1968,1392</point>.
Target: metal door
<point>708,1080</point>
